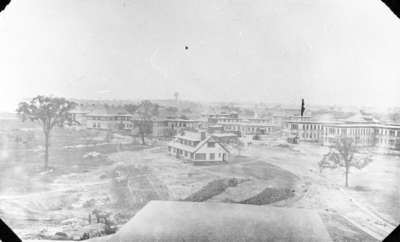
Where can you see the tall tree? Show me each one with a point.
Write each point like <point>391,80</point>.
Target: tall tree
<point>171,111</point>
<point>146,111</point>
<point>344,154</point>
<point>49,112</point>
<point>131,108</point>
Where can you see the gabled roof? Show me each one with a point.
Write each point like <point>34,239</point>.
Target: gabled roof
<point>206,140</point>
<point>198,146</point>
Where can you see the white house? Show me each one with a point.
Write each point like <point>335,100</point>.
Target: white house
<point>198,146</point>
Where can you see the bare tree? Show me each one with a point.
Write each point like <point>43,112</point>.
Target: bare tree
<point>49,112</point>
<point>343,154</point>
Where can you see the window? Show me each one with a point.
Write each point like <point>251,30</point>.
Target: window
<point>212,156</point>
<point>211,144</point>
<point>200,156</point>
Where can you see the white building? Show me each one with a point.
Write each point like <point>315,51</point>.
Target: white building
<point>109,118</point>
<point>198,146</point>
<point>365,134</point>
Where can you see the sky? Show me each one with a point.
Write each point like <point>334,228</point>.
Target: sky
<point>330,52</point>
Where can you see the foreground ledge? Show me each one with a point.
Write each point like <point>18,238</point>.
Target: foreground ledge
<point>191,221</point>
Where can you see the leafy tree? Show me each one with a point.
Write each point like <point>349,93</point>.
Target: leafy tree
<point>248,112</point>
<point>187,110</point>
<point>146,111</point>
<point>343,154</point>
<point>49,112</point>
<point>184,117</point>
<point>230,108</point>
<point>131,108</point>
<point>171,111</point>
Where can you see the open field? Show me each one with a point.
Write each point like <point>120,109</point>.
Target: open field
<point>118,176</point>
<point>90,172</point>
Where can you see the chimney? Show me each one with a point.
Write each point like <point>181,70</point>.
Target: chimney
<point>203,135</point>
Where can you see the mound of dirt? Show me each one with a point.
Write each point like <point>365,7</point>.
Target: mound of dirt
<point>269,195</point>
<point>212,189</point>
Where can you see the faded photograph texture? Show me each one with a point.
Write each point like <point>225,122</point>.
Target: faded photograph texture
<point>229,120</point>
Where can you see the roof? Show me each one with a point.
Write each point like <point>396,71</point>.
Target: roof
<point>360,118</point>
<point>182,146</point>
<point>221,135</point>
<point>193,136</point>
<point>182,120</point>
<point>350,124</point>
<point>255,124</point>
<point>191,221</point>
<point>108,111</point>
<point>189,135</point>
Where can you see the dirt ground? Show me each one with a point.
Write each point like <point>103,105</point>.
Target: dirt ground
<point>118,176</point>
<point>371,203</point>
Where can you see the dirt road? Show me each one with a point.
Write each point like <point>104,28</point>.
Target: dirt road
<point>323,193</point>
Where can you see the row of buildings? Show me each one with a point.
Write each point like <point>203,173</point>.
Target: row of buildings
<point>103,118</point>
<point>119,119</point>
<point>365,132</point>
<point>205,139</point>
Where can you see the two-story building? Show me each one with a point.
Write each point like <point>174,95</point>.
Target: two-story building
<point>388,136</point>
<point>79,115</point>
<point>368,133</point>
<point>168,127</point>
<point>109,118</point>
<point>198,146</point>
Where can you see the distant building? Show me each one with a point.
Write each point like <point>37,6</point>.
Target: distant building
<point>109,118</point>
<point>78,115</point>
<point>198,146</point>
<point>215,118</point>
<point>245,128</point>
<point>388,136</point>
<point>364,132</point>
<point>225,138</point>
<point>168,127</point>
